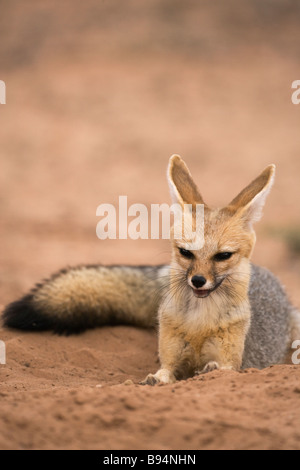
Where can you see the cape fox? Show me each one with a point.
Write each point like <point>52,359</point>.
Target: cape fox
<point>215,309</point>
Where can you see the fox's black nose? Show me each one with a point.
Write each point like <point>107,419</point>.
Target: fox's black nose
<point>198,281</point>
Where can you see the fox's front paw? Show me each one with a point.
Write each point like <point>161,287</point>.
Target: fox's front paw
<point>162,376</point>
<point>210,366</point>
<point>150,380</point>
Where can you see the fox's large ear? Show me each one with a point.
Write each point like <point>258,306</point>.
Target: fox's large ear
<point>182,187</point>
<point>250,202</point>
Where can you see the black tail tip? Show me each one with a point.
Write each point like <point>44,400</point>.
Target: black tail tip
<point>24,315</point>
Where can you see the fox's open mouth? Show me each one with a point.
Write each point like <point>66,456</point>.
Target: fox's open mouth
<point>202,293</point>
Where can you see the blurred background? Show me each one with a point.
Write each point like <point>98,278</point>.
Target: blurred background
<point>101,93</point>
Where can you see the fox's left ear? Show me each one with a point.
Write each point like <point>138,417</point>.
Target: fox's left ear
<point>250,202</point>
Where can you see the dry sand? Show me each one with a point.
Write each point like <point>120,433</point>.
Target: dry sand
<point>71,393</point>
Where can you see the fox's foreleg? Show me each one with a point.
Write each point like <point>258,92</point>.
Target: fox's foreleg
<point>224,349</point>
<point>171,353</point>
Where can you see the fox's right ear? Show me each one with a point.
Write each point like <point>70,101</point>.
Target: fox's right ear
<point>250,202</point>
<point>182,186</point>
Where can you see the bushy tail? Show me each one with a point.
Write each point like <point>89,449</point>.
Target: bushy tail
<point>74,300</point>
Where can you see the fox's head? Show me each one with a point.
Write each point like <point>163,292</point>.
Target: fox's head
<point>229,238</point>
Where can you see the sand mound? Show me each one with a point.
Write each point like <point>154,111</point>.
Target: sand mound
<point>69,393</point>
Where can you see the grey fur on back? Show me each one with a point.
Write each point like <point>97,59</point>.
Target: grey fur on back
<point>268,338</point>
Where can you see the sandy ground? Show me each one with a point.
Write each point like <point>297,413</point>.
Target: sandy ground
<point>99,95</point>
<point>69,393</point>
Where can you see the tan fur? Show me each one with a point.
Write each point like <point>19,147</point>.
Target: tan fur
<point>205,334</point>
<point>259,184</point>
<point>99,288</point>
<point>201,327</point>
<point>180,177</point>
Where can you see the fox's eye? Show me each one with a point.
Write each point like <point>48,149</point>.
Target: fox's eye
<point>186,253</point>
<point>223,256</point>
